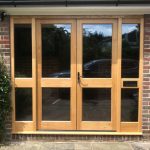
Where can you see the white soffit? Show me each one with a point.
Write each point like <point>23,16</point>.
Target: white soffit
<point>124,10</point>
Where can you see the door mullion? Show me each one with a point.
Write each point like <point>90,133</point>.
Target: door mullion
<point>79,69</point>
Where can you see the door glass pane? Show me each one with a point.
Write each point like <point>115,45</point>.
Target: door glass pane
<point>130,83</point>
<point>56,104</point>
<point>23,50</point>
<point>129,105</point>
<point>56,50</point>
<point>130,50</point>
<point>96,104</point>
<point>97,50</point>
<point>23,104</point>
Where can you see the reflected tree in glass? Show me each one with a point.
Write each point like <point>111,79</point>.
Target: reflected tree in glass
<point>23,50</point>
<point>56,50</point>
<point>130,50</point>
<point>97,50</point>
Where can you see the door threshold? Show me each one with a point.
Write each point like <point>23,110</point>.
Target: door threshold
<point>78,133</point>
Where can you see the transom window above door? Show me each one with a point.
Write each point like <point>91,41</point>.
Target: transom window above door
<point>76,74</point>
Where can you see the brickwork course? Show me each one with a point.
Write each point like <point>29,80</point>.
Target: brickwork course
<point>5,52</point>
<point>146,77</point>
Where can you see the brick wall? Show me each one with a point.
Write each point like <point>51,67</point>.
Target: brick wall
<point>146,77</point>
<point>5,52</point>
<point>5,42</point>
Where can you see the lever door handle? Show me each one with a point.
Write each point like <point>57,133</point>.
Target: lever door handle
<point>80,81</point>
<point>79,77</point>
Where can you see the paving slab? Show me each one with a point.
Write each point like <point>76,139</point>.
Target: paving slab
<point>64,146</point>
<point>141,145</point>
<point>83,146</point>
<point>32,145</point>
<point>111,146</point>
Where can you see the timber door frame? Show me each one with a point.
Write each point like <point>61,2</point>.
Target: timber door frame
<point>57,82</point>
<point>32,127</point>
<point>97,82</point>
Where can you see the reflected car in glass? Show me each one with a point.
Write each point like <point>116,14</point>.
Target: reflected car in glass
<point>101,67</point>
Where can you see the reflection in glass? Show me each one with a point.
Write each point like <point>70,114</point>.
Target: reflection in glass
<point>97,50</point>
<point>23,104</point>
<point>130,50</point>
<point>129,105</point>
<point>56,50</point>
<point>130,83</point>
<point>23,50</point>
<point>56,104</point>
<point>96,104</point>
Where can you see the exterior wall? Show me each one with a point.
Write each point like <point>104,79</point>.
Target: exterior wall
<point>146,77</point>
<point>5,51</point>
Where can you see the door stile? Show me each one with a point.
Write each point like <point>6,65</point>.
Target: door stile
<point>34,72</point>
<point>118,93</point>
<point>73,108</point>
<point>114,74</point>
<point>79,70</point>
<point>141,75</point>
<point>39,75</point>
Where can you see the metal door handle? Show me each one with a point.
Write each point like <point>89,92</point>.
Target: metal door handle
<point>79,80</point>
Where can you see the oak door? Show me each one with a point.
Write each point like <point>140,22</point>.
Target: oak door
<point>96,71</point>
<point>56,65</point>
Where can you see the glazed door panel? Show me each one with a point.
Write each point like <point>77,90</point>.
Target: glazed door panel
<point>96,67</point>
<point>56,74</point>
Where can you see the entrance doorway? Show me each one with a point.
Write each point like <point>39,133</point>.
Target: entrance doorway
<point>83,73</point>
<point>77,62</point>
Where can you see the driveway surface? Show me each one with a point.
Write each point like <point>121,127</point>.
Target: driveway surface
<point>77,146</point>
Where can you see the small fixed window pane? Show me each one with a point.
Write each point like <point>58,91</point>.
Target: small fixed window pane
<point>97,50</point>
<point>23,50</point>
<point>23,104</point>
<point>55,104</point>
<point>56,40</point>
<point>129,105</point>
<point>96,104</point>
<point>130,50</point>
<point>130,83</point>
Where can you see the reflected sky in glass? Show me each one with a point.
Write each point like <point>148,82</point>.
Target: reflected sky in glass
<point>127,28</point>
<point>105,29</point>
<point>66,27</point>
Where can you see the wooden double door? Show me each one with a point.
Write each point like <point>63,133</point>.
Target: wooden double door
<point>77,74</point>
